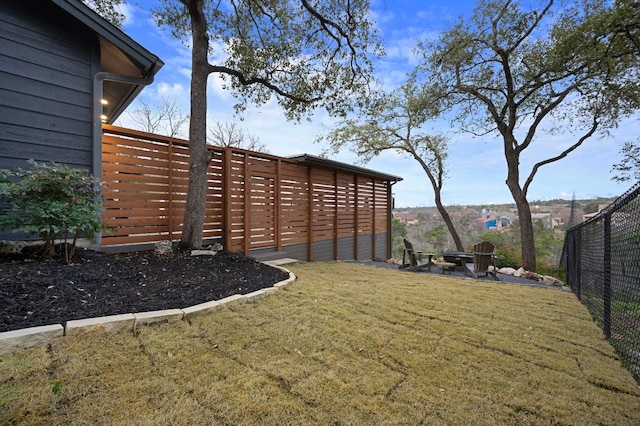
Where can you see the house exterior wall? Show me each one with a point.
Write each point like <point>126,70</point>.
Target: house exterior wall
<point>47,63</point>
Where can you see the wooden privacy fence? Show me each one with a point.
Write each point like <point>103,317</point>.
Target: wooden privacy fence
<point>312,208</point>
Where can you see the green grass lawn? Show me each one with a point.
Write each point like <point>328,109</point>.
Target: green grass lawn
<point>345,344</point>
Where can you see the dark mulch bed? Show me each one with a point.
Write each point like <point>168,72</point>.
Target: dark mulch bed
<point>36,292</point>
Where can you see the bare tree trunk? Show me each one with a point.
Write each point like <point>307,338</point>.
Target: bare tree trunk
<point>447,220</point>
<point>522,204</point>
<point>436,183</point>
<point>199,155</point>
<point>526,234</point>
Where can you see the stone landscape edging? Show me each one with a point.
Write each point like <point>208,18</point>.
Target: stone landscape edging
<point>42,335</point>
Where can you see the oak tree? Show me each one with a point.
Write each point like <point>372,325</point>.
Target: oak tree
<point>108,9</point>
<point>395,123</point>
<point>306,53</point>
<point>628,169</point>
<point>517,71</point>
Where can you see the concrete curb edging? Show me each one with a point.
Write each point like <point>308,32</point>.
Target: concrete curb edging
<point>150,317</point>
<point>42,335</point>
<point>110,324</point>
<point>27,337</point>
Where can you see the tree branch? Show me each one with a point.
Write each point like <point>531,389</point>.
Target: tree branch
<point>258,80</point>
<point>563,154</point>
<point>326,23</point>
<point>543,113</point>
<point>525,34</point>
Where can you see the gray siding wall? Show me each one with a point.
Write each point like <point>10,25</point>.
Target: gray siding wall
<point>298,251</point>
<point>346,248</point>
<point>381,245</point>
<point>365,247</point>
<point>323,251</point>
<point>47,63</point>
<point>294,251</point>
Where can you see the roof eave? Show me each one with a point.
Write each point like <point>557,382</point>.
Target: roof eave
<point>332,164</point>
<point>111,33</point>
<point>147,63</point>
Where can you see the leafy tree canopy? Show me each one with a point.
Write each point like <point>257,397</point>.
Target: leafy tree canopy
<point>302,52</point>
<point>306,54</point>
<point>108,9</point>
<point>395,122</point>
<point>510,66</point>
<point>629,168</point>
<point>517,67</point>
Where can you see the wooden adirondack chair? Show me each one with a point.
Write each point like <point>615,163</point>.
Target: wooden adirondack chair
<point>411,258</point>
<point>484,260</point>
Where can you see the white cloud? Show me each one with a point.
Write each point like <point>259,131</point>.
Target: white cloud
<point>129,13</point>
<point>171,90</point>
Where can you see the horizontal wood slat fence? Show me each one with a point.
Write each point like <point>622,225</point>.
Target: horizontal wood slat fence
<point>254,200</point>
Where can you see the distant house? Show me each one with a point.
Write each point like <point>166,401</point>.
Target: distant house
<point>547,220</point>
<point>63,71</point>
<point>491,220</point>
<point>407,218</point>
<point>588,216</point>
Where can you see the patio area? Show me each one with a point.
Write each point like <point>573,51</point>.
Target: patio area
<point>459,273</point>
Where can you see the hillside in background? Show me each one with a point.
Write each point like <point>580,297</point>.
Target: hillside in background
<point>425,228</point>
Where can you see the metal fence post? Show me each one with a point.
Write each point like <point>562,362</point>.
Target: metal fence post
<point>577,273</point>
<point>607,276</point>
<point>603,263</point>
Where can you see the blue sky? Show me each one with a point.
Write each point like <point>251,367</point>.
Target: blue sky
<point>476,166</point>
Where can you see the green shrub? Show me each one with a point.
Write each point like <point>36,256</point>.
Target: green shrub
<point>555,271</point>
<point>52,201</point>
<point>509,257</point>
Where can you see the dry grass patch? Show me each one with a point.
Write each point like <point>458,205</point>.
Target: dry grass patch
<point>346,344</point>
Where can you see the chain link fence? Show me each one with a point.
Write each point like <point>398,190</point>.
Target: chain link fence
<point>602,261</point>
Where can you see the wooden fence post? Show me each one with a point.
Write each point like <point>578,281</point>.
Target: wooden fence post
<point>356,221</point>
<point>277,206</point>
<point>226,197</point>
<point>335,215</point>
<point>373,218</point>
<point>310,213</point>
<point>246,241</point>
<point>389,220</point>
<point>170,189</point>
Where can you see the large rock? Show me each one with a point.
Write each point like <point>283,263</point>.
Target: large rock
<point>534,276</point>
<point>552,281</point>
<point>203,253</point>
<point>211,250</point>
<point>507,271</point>
<point>164,247</point>
<point>215,247</point>
<point>11,247</point>
<point>521,272</point>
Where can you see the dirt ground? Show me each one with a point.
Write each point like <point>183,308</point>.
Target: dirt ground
<point>35,292</point>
